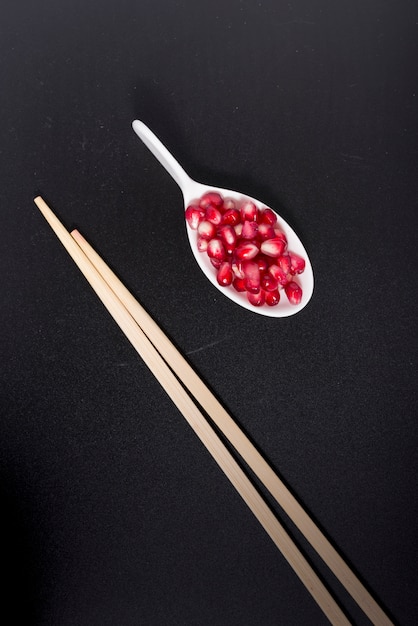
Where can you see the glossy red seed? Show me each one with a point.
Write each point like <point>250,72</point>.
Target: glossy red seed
<point>267,216</point>
<point>213,215</point>
<point>265,231</point>
<point>278,274</point>
<point>225,275</point>
<point>211,197</point>
<point>284,263</point>
<point>202,244</point>
<point>215,262</point>
<point>293,292</point>
<point>194,215</point>
<point>239,284</point>
<point>280,234</point>
<point>272,247</point>
<point>216,249</point>
<point>249,230</point>
<point>272,297</point>
<point>263,262</point>
<point>256,299</point>
<point>231,217</point>
<point>297,264</point>
<point>237,269</point>
<point>206,230</point>
<point>228,204</point>
<point>246,251</point>
<point>249,211</point>
<point>252,276</point>
<point>268,282</point>
<point>229,237</point>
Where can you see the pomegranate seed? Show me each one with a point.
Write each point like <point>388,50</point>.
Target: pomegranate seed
<point>284,262</point>
<point>272,247</point>
<point>272,297</point>
<point>246,248</point>
<point>265,231</point>
<point>249,230</point>
<point>211,197</point>
<point>252,276</point>
<point>231,216</point>
<point>297,264</point>
<point>202,244</point>
<point>206,230</point>
<point>225,274</point>
<point>239,284</point>
<point>267,216</point>
<point>280,234</point>
<point>293,292</point>
<point>216,250</point>
<point>229,238</point>
<point>279,275</point>
<point>194,215</point>
<point>263,262</point>
<point>246,251</point>
<point>237,269</point>
<point>213,215</point>
<point>268,282</point>
<point>228,204</point>
<point>256,299</point>
<point>215,262</point>
<point>249,211</point>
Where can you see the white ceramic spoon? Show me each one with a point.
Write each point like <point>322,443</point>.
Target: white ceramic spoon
<point>193,190</point>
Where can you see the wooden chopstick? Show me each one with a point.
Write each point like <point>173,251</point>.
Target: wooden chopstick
<point>124,313</point>
<point>239,440</point>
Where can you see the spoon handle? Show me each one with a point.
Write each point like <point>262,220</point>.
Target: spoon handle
<point>162,154</point>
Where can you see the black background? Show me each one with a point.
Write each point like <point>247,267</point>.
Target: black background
<point>112,511</point>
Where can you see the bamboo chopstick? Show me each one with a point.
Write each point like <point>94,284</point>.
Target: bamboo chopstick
<point>124,308</point>
<point>240,441</point>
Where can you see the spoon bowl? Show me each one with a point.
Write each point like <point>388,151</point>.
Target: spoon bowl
<point>192,191</point>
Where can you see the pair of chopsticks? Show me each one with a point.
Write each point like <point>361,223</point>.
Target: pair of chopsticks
<point>170,367</point>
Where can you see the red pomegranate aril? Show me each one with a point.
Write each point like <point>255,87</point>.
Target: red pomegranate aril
<point>194,215</point>
<point>267,216</point>
<point>225,274</point>
<point>211,197</point>
<point>215,262</point>
<point>216,249</point>
<point>256,299</point>
<point>239,284</point>
<point>278,274</point>
<point>229,237</point>
<point>246,251</point>
<point>268,282</point>
<point>249,230</point>
<point>231,217</point>
<point>202,244</point>
<point>206,230</point>
<point>293,292</point>
<point>272,247</point>
<point>213,215</point>
<point>297,264</point>
<point>247,248</point>
<point>228,204</point>
<point>272,297</point>
<point>284,262</point>
<point>249,211</point>
<point>280,234</point>
<point>265,231</point>
<point>252,276</point>
<point>263,262</point>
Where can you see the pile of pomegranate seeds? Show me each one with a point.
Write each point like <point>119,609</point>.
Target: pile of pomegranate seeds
<point>247,248</point>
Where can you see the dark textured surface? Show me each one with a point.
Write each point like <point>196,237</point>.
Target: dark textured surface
<point>112,511</point>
